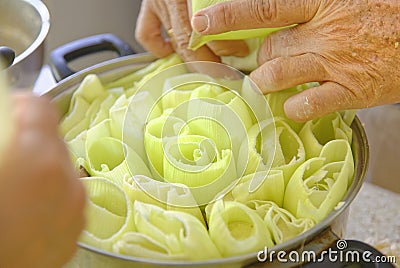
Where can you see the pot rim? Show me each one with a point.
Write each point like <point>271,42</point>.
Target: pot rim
<point>360,154</point>
<point>44,15</point>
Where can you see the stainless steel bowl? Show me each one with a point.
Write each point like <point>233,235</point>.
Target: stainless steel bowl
<point>24,25</point>
<point>317,239</point>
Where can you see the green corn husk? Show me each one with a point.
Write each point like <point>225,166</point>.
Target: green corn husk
<point>280,222</point>
<point>315,134</point>
<point>157,132</point>
<point>77,146</point>
<point>108,213</point>
<point>109,157</point>
<point>276,101</point>
<point>178,89</point>
<point>165,195</point>
<point>129,81</point>
<point>103,110</point>
<point>195,161</point>
<point>134,122</point>
<point>271,188</point>
<point>170,234</point>
<point>74,116</point>
<point>90,89</point>
<point>225,119</point>
<point>272,144</point>
<point>142,246</point>
<point>320,183</point>
<point>255,100</point>
<point>151,81</point>
<point>236,229</point>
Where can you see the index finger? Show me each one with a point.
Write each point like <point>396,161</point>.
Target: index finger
<point>182,30</point>
<point>252,14</point>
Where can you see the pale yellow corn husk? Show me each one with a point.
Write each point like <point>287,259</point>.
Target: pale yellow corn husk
<point>271,188</point>
<point>315,134</point>
<point>320,183</point>
<point>108,213</point>
<point>173,232</point>
<point>236,229</point>
<point>280,222</point>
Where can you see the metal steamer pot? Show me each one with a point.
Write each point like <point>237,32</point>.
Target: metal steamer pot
<point>322,236</point>
<point>24,25</point>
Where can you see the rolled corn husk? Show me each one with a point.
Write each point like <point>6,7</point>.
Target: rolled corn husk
<point>108,213</point>
<point>236,229</point>
<point>320,183</point>
<point>170,234</point>
<point>281,223</point>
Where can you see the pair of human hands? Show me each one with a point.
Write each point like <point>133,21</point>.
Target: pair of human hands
<point>352,47</point>
<point>41,215</point>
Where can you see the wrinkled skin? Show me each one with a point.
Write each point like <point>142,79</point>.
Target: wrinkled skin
<point>350,46</point>
<point>41,215</point>
<point>175,15</point>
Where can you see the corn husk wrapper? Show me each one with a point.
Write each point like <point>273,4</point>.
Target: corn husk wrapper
<point>109,157</point>
<point>165,195</point>
<point>272,144</point>
<point>178,89</point>
<point>276,101</point>
<point>154,80</point>
<point>169,234</point>
<point>315,134</point>
<point>272,187</point>
<point>320,183</point>
<point>236,229</point>
<point>132,81</point>
<point>157,133</point>
<point>280,222</point>
<point>194,161</point>
<point>108,213</point>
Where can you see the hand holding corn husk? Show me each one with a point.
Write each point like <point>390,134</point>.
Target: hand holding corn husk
<point>174,17</point>
<point>351,47</point>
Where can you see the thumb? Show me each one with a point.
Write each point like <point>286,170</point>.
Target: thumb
<point>252,14</point>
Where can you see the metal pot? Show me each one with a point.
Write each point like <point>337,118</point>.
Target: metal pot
<point>24,25</point>
<point>319,238</point>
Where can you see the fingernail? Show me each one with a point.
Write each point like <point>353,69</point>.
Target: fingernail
<point>200,23</point>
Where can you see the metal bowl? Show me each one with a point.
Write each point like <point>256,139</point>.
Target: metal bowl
<point>317,239</point>
<point>24,25</point>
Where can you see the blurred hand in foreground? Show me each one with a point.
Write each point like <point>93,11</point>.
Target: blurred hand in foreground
<point>352,47</point>
<point>174,17</point>
<point>41,215</point>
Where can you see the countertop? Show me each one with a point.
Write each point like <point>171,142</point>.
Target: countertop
<point>375,219</point>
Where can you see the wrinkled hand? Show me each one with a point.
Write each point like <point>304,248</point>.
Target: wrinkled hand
<point>41,215</point>
<point>350,46</point>
<point>174,15</point>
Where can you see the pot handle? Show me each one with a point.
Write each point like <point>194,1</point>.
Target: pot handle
<point>351,253</point>
<point>61,56</point>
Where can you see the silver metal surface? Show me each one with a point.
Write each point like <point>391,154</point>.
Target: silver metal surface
<point>24,25</point>
<point>317,238</point>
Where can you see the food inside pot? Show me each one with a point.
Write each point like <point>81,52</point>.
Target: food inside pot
<point>186,165</point>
